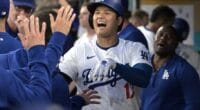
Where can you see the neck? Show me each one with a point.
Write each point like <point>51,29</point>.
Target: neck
<point>125,23</point>
<point>2,25</point>
<point>108,41</point>
<point>158,61</point>
<point>90,33</point>
<point>152,26</point>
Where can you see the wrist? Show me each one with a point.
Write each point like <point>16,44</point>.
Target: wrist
<point>11,25</point>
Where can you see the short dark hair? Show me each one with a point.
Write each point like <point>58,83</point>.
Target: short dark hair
<point>140,14</point>
<point>43,16</point>
<point>162,12</point>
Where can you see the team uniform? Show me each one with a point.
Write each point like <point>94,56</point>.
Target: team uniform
<point>150,37</point>
<point>8,43</point>
<point>14,92</point>
<point>133,34</point>
<point>183,81</point>
<point>21,71</point>
<point>84,38</point>
<point>115,92</point>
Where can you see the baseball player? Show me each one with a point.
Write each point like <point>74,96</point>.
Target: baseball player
<point>20,70</point>
<point>186,51</point>
<point>89,33</point>
<point>19,10</point>
<point>139,18</point>
<point>129,31</point>
<point>174,85</point>
<point>109,65</point>
<point>13,92</point>
<point>161,15</point>
<point>7,42</point>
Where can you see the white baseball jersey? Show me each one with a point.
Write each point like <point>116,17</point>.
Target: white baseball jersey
<point>85,38</point>
<point>149,35</point>
<point>115,92</point>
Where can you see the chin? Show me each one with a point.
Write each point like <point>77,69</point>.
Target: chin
<point>162,53</point>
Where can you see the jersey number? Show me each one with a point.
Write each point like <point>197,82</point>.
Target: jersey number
<point>129,91</point>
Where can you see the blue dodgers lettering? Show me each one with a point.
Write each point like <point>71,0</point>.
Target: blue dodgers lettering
<point>112,79</point>
<point>85,76</point>
<point>144,55</point>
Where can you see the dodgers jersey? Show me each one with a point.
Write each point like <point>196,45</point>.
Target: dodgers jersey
<point>130,32</point>
<point>8,43</point>
<point>149,35</point>
<point>81,60</point>
<point>175,86</point>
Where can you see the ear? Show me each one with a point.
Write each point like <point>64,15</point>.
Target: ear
<point>120,21</point>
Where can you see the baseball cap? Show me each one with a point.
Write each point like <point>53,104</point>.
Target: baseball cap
<point>182,27</point>
<point>4,8</point>
<point>113,4</point>
<point>27,3</point>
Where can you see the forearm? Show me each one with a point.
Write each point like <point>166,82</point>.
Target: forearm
<point>40,82</point>
<point>11,29</point>
<point>55,49</point>
<point>138,75</point>
<point>39,88</point>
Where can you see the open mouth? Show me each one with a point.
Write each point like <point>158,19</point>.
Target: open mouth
<point>161,44</point>
<point>101,23</point>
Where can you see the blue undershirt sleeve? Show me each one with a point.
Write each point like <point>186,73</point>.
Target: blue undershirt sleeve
<point>138,75</point>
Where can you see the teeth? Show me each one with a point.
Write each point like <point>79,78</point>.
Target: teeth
<point>101,22</point>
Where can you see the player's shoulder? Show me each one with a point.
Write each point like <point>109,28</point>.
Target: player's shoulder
<point>145,30</point>
<point>180,64</point>
<point>131,44</point>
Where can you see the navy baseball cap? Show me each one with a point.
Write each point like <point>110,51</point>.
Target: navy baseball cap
<point>4,8</point>
<point>27,3</point>
<point>115,5</point>
<point>182,27</point>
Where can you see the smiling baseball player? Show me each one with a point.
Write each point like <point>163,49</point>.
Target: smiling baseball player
<point>109,65</point>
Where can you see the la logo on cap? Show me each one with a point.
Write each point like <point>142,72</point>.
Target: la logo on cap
<point>3,13</point>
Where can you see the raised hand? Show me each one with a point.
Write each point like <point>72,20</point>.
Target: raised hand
<point>64,20</point>
<point>90,96</point>
<point>32,34</point>
<point>12,16</point>
<point>63,3</point>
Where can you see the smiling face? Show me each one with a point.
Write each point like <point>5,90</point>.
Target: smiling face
<point>105,21</point>
<point>166,41</point>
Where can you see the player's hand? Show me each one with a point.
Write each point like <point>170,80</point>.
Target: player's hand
<point>101,71</point>
<point>12,16</point>
<point>90,96</point>
<point>63,3</point>
<point>32,34</point>
<point>64,20</point>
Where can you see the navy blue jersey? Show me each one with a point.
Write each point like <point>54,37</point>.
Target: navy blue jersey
<point>9,31</point>
<point>14,92</point>
<point>175,86</point>
<point>8,43</point>
<point>17,62</point>
<point>131,33</point>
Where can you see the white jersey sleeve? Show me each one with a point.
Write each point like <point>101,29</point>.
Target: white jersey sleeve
<point>150,37</point>
<point>68,63</point>
<point>139,54</point>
